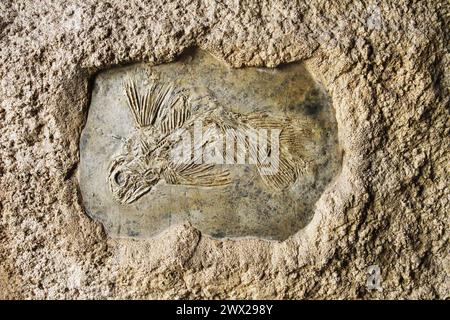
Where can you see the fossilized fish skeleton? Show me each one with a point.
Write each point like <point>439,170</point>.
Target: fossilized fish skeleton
<point>160,114</point>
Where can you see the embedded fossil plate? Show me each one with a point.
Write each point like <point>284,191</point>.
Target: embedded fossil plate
<point>238,152</point>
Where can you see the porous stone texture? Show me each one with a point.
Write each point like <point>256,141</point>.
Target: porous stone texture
<point>385,65</point>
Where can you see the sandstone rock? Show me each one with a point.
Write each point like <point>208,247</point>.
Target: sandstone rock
<point>385,67</point>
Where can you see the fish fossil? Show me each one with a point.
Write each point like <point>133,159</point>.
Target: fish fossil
<point>161,112</point>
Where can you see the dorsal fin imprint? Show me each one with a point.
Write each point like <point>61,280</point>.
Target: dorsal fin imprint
<point>160,106</point>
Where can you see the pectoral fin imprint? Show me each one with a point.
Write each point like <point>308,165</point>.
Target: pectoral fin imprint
<point>162,115</point>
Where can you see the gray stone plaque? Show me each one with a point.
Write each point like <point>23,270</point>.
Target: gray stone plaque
<point>238,152</point>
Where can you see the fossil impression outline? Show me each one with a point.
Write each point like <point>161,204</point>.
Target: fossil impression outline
<point>161,112</point>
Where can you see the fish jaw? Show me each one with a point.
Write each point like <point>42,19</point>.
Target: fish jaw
<point>133,195</point>
<point>130,193</point>
<point>129,184</point>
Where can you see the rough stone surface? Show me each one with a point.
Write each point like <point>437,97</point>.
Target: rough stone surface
<point>385,65</point>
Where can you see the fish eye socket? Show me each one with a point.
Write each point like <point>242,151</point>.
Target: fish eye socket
<point>120,178</point>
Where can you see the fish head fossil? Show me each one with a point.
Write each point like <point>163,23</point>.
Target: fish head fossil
<point>131,176</point>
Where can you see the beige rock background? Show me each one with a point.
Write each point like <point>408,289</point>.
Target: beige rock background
<point>386,67</point>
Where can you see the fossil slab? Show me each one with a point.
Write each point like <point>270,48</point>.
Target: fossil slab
<point>238,152</point>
